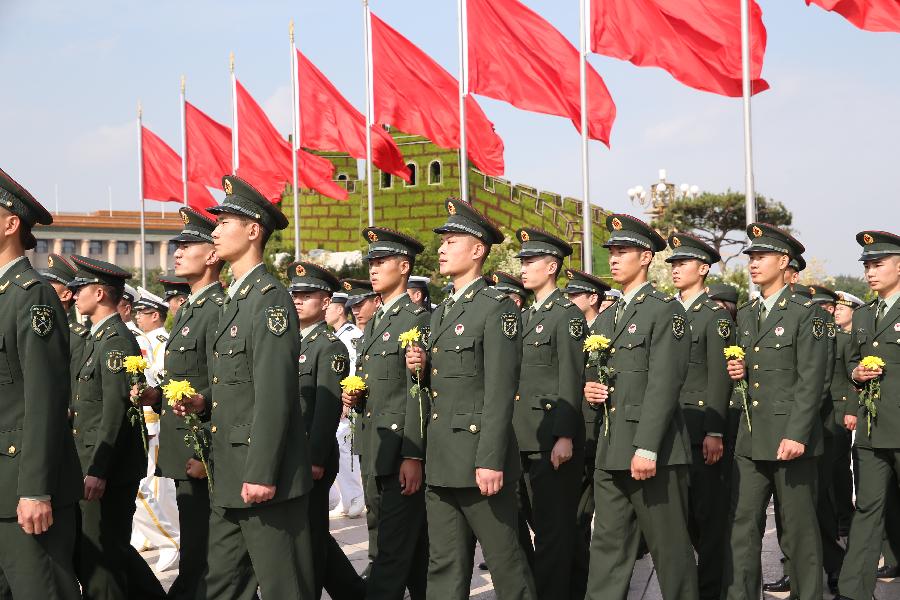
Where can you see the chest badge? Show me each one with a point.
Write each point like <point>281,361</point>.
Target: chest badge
<point>539,328</point>
<point>779,331</point>
<point>185,330</point>
<point>302,358</point>
<point>632,328</point>
<point>459,329</point>
<point>896,326</point>
<point>233,331</point>
<point>386,336</point>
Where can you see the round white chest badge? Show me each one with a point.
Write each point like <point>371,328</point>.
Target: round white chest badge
<point>459,329</point>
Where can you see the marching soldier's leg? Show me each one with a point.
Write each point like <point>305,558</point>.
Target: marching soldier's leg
<point>193,515</point>
<point>372,500</point>
<point>826,512</point>
<point>449,546</point>
<point>275,533</point>
<point>230,574</point>
<point>890,549</point>
<point>523,494</point>
<point>614,544</point>
<point>708,514</point>
<point>39,566</point>
<point>796,485</point>
<point>584,519</point>
<point>661,507</point>
<point>493,519</point>
<point>319,528</point>
<point>751,489</point>
<point>341,580</point>
<point>397,567</point>
<point>863,546</point>
<point>843,481</point>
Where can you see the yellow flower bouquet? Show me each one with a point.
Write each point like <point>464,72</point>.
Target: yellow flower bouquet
<point>737,353</point>
<point>406,339</point>
<point>135,367</point>
<point>353,383</point>
<point>597,347</point>
<point>197,438</point>
<point>871,391</point>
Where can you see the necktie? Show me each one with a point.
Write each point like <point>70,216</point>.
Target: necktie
<point>762,313</point>
<point>620,308</point>
<point>879,311</point>
<point>378,315</point>
<point>448,306</point>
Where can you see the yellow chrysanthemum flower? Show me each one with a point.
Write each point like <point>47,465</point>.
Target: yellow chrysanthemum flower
<point>409,337</point>
<point>354,383</point>
<point>871,362</point>
<point>595,343</point>
<point>734,353</point>
<point>178,391</point>
<point>135,364</point>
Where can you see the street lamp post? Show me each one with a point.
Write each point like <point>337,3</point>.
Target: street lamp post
<point>661,195</point>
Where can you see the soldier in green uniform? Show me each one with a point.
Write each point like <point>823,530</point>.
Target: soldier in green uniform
<point>108,441</point>
<point>472,458</point>
<point>39,471</point>
<point>391,425</point>
<point>876,332</point>
<point>587,293</point>
<point>781,434</point>
<point>845,397</point>
<point>259,524</point>
<point>511,286</point>
<point>176,291</point>
<point>186,359</point>
<point>547,418</point>
<point>362,300</point>
<point>641,481</point>
<point>322,364</point>
<point>704,403</point>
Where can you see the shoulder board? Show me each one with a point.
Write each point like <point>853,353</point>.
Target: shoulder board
<point>331,337</point>
<point>414,308</point>
<point>566,304</point>
<point>871,302</point>
<point>798,299</point>
<point>110,332</point>
<point>748,303</point>
<point>162,338</point>
<point>711,304</point>
<point>25,282</point>
<point>267,287</point>
<point>136,334</point>
<point>78,329</point>
<point>493,293</point>
<point>201,301</point>
<point>660,295</point>
<point>217,298</point>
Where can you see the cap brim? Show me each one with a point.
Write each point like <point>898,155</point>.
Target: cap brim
<point>53,277</point>
<point>533,252</point>
<point>187,238</point>
<point>876,255</point>
<point>766,248</point>
<point>625,244</point>
<point>382,254</point>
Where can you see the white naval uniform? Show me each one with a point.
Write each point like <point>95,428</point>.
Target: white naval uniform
<point>348,484</point>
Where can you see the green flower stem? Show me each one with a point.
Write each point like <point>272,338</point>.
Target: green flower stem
<point>742,388</point>
<point>136,411</point>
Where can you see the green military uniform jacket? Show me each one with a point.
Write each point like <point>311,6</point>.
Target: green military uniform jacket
<point>257,426</point>
<point>883,341</point>
<point>707,387</point>
<point>829,426</point>
<point>785,372</point>
<point>78,333</point>
<point>391,426</point>
<point>187,359</point>
<point>842,389</point>
<point>37,454</point>
<point>644,409</point>
<point>322,364</point>
<point>592,415</point>
<point>109,445</point>
<point>551,387</point>
<point>474,359</point>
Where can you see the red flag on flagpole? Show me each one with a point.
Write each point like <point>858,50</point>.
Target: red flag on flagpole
<point>162,174</point>
<point>871,15</point>
<point>515,55</point>
<point>697,42</point>
<point>265,156</point>
<point>209,147</point>
<point>329,122</point>
<point>415,94</point>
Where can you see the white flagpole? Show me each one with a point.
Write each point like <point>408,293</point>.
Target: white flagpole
<point>750,194</point>
<point>295,140</point>
<point>234,117</point>
<point>462,10</point>
<point>370,109</point>
<point>140,132</point>
<point>184,180</point>
<point>587,262</point>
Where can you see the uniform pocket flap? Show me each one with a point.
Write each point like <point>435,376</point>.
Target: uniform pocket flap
<point>10,442</point>
<point>466,422</point>
<point>240,434</point>
<point>234,347</point>
<point>183,345</point>
<point>545,403</point>
<point>462,343</point>
<point>633,413</point>
<point>631,341</point>
<point>538,340</point>
<point>782,408</point>
<point>391,421</point>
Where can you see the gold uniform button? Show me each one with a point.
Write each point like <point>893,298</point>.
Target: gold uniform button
<point>369,414</point>
<point>434,371</point>
<point>383,352</point>
<point>457,347</point>
<point>434,394</point>
<point>472,428</point>
<point>215,380</point>
<point>434,417</point>
<point>612,389</point>
<point>612,351</point>
<point>74,432</point>
<point>214,428</point>
<point>215,404</point>
<point>231,351</point>
<point>755,403</point>
<point>181,349</point>
<point>755,367</point>
<point>393,427</point>
<point>164,412</point>
<point>613,409</point>
<point>731,403</point>
<point>700,403</point>
<point>248,440</point>
<point>434,350</point>
<point>167,352</point>
<point>756,385</point>
<point>367,376</point>
<point>778,345</point>
<point>548,406</point>
<point>11,449</point>
<point>517,397</point>
<point>875,344</point>
<point>216,354</point>
<point>367,357</point>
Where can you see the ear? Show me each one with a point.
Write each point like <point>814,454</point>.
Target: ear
<point>326,301</point>
<point>404,266</point>
<point>255,231</point>
<point>478,250</point>
<point>552,266</point>
<point>211,257</point>
<point>11,223</point>
<point>646,257</point>
<point>704,269</point>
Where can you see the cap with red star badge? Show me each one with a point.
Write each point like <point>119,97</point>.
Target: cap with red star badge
<point>768,238</point>
<point>508,284</point>
<point>91,270</point>
<point>174,286</point>
<point>357,290</point>
<point>629,231</point>
<point>19,201</point>
<point>687,247</point>
<point>877,244</point>
<point>243,199</point>
<point>462,218</point>
<point>584,283</point>
<point>58,269</point>
<point>387,242</point>
<point>197,228</point>
<point>310,277</point>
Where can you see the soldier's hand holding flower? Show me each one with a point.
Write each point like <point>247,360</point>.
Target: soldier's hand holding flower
<point>415,358</point>
<point>596,393</point>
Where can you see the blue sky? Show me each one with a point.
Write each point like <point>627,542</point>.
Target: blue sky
<point>825,135</point>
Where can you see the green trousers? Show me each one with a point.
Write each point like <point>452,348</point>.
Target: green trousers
<point>192,497</point>
<point>548,505</point>
<point>105,562</point>
<point>658,507</point>
<point>707,521</point>
<point>370,496</point>
<point>753,484</point>
<point>843,479</point>
<point>332,570</point>
<point>39,566</point>
<point>401,561</point>
<point>584,518</point>
<point>266,546</point>
<point>876,469</point>
<point>890,548</point>
<point>454,516</point>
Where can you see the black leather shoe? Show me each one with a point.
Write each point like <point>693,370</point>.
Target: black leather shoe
<point>782,585</point>
<point>833,582</point>
<point>886,572</point>
<point>482,566</point>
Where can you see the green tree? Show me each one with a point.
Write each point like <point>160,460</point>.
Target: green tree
<point>855,285</point>
<point>719,219</point>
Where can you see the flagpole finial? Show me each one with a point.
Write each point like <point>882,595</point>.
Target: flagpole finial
<point>231,61</point>
<point>183,79</point>
<point>292,30</point>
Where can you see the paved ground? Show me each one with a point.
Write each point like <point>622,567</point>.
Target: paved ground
<point>352,536</point>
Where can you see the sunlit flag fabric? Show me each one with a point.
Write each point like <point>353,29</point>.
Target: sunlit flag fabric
<point>415,94</point>
<point>162,174</point>
<point>871,15</point>
<point>264,156</point>
<point>329,122</point>
<point>517,56</point>
<point>697,41</point>
<point>208,147</point>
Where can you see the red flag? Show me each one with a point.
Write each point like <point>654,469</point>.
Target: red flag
<point>264,157</point>
<point>698,42</point>
<point>515,55</point>
<point>208,147</point>
<point>162,174</point>
<point>415,94</point>
<point>871,15</point>
<point>329,122</point>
